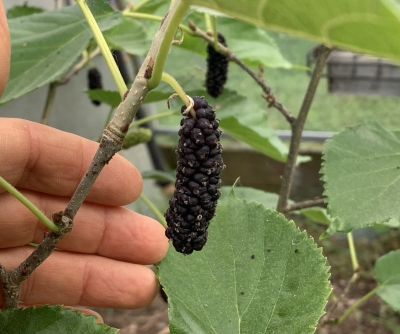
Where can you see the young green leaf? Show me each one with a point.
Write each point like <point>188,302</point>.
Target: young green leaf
<point>49,320</point>
<point>45,45</point>
<point>257,274</point>
<point>361,170</point>
<point>317,214</point>
<point>387,271</point>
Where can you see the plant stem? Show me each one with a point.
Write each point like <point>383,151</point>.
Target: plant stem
<point>31,207</point>
<point>297,129</point>
<point>152,118</point>
<point>178,9</point>
<point>105,50</point>
<point>353,253</point>
<point>207,18</point>
<point>169,79</point>
<point>356,305</point>
<point>305,204</point>
<point>270,98</point>
<point>150,17</point>
<point>154,209</point>
<point>78,66</point>
<point>49,103</point>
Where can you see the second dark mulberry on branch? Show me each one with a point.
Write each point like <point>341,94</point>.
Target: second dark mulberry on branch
<point>217,69</point>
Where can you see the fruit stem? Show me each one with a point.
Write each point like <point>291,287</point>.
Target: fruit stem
<point>105,50</point>
<point>155,210</point>
<point>177,11</point>
<point>207,18</point>
<point>51,93</point>
<point>169,79</point>
<point>353,253</point>
<point>215,34</point>
<point>39,214</point>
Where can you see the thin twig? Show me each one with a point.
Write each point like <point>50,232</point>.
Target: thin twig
<point>49,103</point>
<point>77,67</point>
<point>11,280</point>
<point>268,96</point>
<point>297,129</point>
<point>305,204</point>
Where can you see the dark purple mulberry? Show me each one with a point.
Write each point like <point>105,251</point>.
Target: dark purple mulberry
<point>95,82</point>
<point>217,69</point>
<point>197,180</point>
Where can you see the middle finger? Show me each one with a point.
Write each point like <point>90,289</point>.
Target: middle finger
<point>114,232</point>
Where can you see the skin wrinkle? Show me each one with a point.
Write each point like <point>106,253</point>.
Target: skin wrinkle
<point>104,232</point>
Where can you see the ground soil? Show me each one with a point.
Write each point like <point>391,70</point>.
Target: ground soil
<point>373,317</point>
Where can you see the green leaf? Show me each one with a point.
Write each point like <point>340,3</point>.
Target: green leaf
<point>159,176</point>
<point>269,200</point>
<point>387,271</point>
<point>250,44</point>
<point>361,170</point>
<point>130,36</point>
<point>112,98</point>
<point>357,25</point>
<point>49,320</point>
<point>317,215</point>
<point>24,10</point>
<point>45,45</point>
<point>257,274</point>
<point>262,138</point>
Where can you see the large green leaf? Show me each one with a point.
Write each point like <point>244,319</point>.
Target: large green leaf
<point>257,274</point>
<point>387,271</point>
<point>50,320</point>
<point>358,25</point>
<point>45,45</point>
<point>130,36</point>
<point>250,44</point>
<point>269,200</point>
<point>361,170</point>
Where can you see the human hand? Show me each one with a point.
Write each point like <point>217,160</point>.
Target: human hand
<point>101,262</point>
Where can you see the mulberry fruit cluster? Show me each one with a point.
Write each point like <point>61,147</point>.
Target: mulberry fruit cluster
<point>95,82</point>
<point>217,69</point>
<point>197,179</point>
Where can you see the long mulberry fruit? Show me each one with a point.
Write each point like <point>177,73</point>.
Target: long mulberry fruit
<point>197,179</point>
<point>95,82</point>
<point>217,69</point>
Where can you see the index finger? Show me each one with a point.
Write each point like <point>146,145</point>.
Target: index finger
<point>40,158</point>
